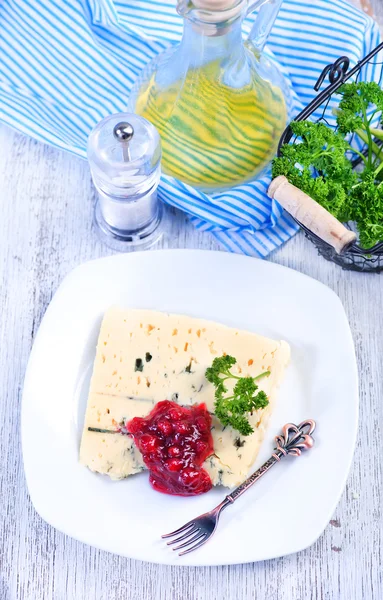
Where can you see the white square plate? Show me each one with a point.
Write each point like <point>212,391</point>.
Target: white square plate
<point>284,512</point>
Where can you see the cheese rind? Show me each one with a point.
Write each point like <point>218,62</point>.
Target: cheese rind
<point>144,357</point>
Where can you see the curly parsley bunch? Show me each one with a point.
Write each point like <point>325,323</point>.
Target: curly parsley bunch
<point>320,162</point>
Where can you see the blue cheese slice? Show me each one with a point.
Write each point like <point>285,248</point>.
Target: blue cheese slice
<point>145,356</point>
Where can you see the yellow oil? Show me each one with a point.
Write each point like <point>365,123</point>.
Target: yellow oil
<point>214,136</point>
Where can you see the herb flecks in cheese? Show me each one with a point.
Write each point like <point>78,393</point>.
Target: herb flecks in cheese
<point>125,397</point>
<point>238,443</point>
<point>119,457</point>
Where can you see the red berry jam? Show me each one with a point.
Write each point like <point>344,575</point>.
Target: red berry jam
<point>174,442</point>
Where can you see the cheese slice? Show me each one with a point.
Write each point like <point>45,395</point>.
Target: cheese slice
<point>145,356</point>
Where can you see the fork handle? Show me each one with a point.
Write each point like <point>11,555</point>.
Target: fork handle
<point>241,489</point>
<point>292,440</point>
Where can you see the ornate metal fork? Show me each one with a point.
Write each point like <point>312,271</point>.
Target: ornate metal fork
<point>195,533</point>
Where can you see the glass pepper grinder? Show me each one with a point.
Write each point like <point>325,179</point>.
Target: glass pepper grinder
<point>124,153</point>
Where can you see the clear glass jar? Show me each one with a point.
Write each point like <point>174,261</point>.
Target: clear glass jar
<point>218,102</point>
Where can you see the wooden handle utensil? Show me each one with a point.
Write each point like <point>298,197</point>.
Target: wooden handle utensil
<point>311,214</point>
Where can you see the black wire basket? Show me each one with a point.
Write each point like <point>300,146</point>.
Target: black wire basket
<point>354,257</point>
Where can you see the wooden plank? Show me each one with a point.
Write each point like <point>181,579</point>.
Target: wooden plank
<point>373,8</point>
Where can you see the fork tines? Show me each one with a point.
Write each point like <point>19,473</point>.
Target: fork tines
<point>191,533</point>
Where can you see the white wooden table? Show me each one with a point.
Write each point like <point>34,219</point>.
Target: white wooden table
<point>45,231</point>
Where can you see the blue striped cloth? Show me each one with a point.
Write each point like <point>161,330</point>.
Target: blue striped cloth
<point>66,64</point>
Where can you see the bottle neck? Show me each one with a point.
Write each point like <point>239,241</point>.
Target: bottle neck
<point>201,43</point>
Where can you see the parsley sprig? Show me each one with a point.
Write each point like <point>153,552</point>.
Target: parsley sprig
<point>233,410</point>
